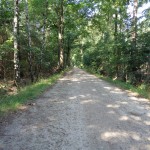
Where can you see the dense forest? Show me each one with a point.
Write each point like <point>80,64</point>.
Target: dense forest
<point>39,38</point>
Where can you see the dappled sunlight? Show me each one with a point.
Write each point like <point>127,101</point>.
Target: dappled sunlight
<point>138,99</point>
<point>82,96</point>
<point>111,114</point>
<point>64,79</point>
<point>87,101</point>
<point>148,114</point>
<point>73,97</point>
<point>114,90</point>
<point>119,136</point>
<point>124,118</point>
<point>91,126</point>
<point>135,136</point>
<point>106,136</point>
<point>147,146</point>
<point>130,93</point>
<point>109,88</point>
<point>147,123</point>
<point>75,79</point>
<point>113,106</point>
<point>35,127</point>
<point>124,103</point>
<point>60,102</point>
<point>94,90</point>
<point>134,98</point>
<point>117,89</point>
<point>22,107</point>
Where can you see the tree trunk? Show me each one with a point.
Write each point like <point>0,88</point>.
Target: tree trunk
<point>16,45</point>
<point>60,34</point>
<point>134,34</point>
<point>29,42</point>
<point>134,26</point>
<point>43,34</point>
<point>134,53</point>
<point>68,52</point>
<point>116,47</point>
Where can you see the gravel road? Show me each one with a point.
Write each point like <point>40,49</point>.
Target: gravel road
<point>80,112</point>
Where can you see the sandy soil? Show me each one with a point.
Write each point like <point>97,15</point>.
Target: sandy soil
<point>80,112</point>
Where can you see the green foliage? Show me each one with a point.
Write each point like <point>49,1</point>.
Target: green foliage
<point>6,47</point>
<point>142,90</point>
<point>109,44</point>
<point>28,93</point>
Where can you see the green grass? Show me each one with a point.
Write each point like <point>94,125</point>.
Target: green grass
<point>28,93</point>
<point>142,90</point>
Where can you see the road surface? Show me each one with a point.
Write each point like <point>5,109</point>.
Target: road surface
<point>80,112</point>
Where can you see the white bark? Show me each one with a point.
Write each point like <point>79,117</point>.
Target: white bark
<point>16,49</point>
<point>60,34</point>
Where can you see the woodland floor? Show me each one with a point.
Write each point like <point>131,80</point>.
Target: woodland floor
<point>80,112</point>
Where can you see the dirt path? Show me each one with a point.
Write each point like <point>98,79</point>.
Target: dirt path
<point>81,112</point>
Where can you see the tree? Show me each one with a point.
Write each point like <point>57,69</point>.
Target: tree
<point>61,33</point>
<point>29,42</point>
<point>134,51</point>
<point>45,15</point>
<point>16,43</point>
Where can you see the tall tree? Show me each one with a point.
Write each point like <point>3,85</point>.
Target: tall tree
<point>116,43</point>
<point>134,23</point>
<point>16,43</point>
<point>133,67</point>
<point>45,16</point>
<point>29,41</point>
<point>61,33</point>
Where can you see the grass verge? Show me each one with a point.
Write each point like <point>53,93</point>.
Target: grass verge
<point>12,103</point>
<point>142,90</point>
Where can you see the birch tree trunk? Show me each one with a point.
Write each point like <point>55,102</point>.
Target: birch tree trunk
<point>60,34</point>
<point>16,45</point>
<point>29,42</point>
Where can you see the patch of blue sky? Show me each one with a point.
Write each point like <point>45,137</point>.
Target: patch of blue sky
<point>140,9</point>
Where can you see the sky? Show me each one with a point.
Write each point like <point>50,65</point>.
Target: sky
<point>140,9</point>
<point>144,7</point>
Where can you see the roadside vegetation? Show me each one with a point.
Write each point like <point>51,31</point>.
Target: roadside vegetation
<point>10,103</point>
<point>142,90</point>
